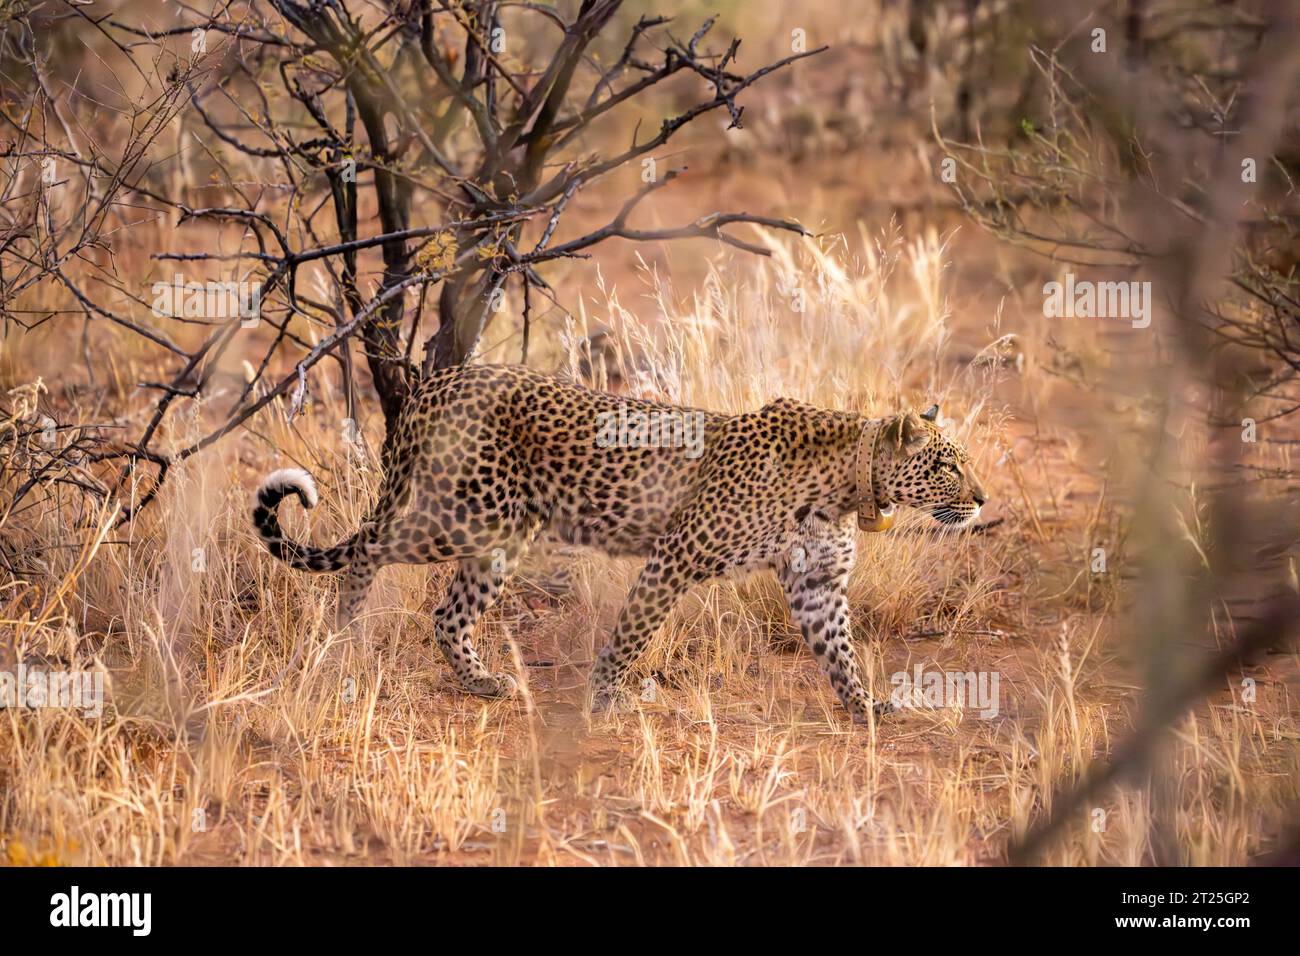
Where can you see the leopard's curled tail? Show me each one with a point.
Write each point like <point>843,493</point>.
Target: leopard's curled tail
<point>277,486</point>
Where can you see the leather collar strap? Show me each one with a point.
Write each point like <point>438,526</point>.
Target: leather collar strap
<point>872,516</point>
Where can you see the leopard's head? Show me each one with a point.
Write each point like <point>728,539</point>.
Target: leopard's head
<point>922,468</point>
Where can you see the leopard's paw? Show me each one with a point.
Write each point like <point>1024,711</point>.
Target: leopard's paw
<point>608,702</point>
<point>878,709</point>
<point>497,686</point>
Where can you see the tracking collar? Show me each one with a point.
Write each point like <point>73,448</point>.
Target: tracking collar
<point>873,515</point>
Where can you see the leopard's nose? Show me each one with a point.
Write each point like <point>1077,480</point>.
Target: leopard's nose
<point>979,497</point>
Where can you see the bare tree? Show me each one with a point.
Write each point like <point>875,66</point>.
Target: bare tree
<point>474,114</point>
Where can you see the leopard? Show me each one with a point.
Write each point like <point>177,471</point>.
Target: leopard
<point>486,459</point>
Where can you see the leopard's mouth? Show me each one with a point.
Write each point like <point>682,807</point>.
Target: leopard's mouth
<point>955,516</point>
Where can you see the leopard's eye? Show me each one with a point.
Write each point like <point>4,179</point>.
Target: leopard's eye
<point>952,466</point>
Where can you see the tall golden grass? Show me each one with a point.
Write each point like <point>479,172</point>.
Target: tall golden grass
<point>240,730</point>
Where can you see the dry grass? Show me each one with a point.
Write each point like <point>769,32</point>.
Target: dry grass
<point>239,733</point>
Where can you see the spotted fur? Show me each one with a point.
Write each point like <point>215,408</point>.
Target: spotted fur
<point>484,458</point>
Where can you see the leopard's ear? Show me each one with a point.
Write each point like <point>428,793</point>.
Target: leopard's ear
<point>908,434</point>
<point>931,414</point>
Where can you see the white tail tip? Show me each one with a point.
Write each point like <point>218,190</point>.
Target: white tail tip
<point>292,481</point>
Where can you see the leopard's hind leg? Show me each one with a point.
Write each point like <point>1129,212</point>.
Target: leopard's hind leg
<point>353,589</point>
<point>478,583</point>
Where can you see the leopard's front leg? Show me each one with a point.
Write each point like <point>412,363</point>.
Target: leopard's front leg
<point>661,582</point>
<point>815,576</point>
